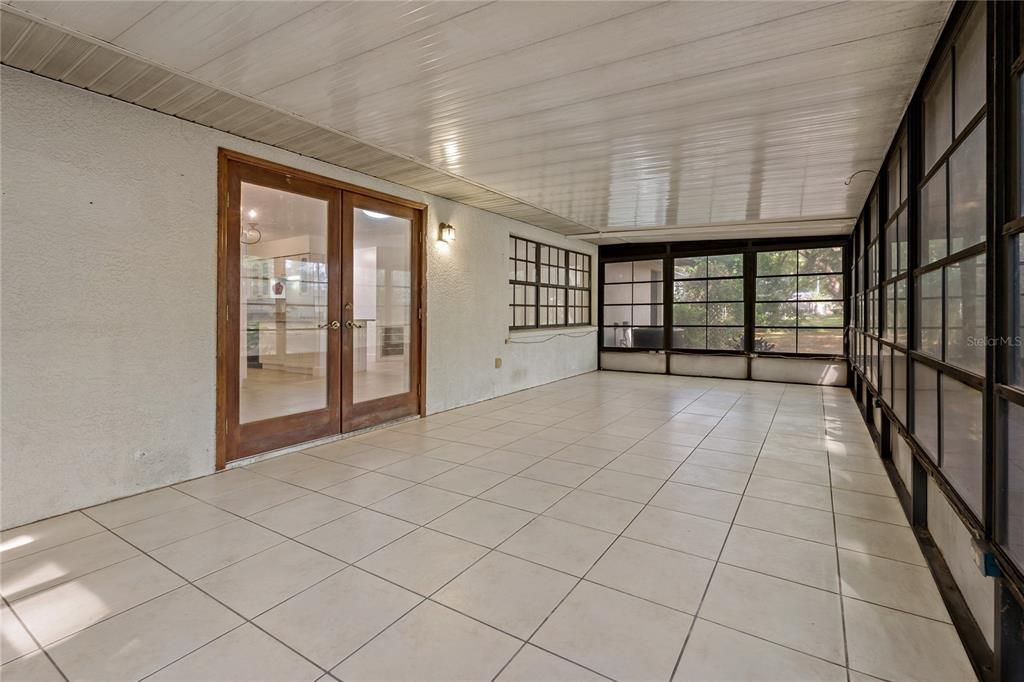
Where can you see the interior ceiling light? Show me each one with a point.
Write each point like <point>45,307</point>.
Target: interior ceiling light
<point>251,235</point>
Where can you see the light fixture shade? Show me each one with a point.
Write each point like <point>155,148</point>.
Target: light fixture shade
<point>446,233</point>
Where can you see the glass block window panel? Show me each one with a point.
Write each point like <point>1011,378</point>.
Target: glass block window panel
<point>926,409</point>
<point>965,314</point>
<point>962,439</point>
<point>929,313</point>
<point>933,219</point>
<point>967,202</point>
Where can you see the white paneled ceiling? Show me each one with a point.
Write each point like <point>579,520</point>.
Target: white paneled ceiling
<point>627,121</point>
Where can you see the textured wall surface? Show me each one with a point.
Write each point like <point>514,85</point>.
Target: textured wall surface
<point>109,218</point>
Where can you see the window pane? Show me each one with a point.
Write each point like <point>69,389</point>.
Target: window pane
<point>725,265</point>
<point>893,174</point>
<point>689,338</point>
<point>617,315</point>
<point>938,124</point>
<point>647,292</point>
<point>725,313</point>
<point>646,270</point>
<point>829,259</point>
<point>1014,540</point>
<point>820,341</point>
<point>776,263</point>
<point>618,293</point>
<point>891,253</point>
<point>647,314</point>
<point>633,337</point>
<point>933,219</point>
<point>821,314</point>
<point>961,440</point>
<point>774,340</point>
<point>618,272</point>
<point>776,288</point>
<point>1017,321</point>
<point>690,268</point>
<point>820,287</point>
<point>689,313</point>
<point>886,372</point>
<point>775,314</point>
<point>965,314</point>
<point>903,246</point>
<point>971,77</point>
<point>930,313</point>
<point>690,291</point>
<point>967,192</point>
<point>900,322</point>
<point>725,338</point>
<point>899,385</point>
<point>926,409</point>
<point>725,290</point>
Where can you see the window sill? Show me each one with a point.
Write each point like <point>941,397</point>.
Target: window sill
<point>550,331</point>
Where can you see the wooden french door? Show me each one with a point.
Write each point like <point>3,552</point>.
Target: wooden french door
<point>381,316</point>
<point>319,294</point>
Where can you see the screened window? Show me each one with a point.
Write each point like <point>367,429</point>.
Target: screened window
<point>707,303</point>
<point>550,286</point>
<point>633,304</point>
<point>799,301</point>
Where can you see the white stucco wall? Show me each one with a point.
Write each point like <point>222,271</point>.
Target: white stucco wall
<point>109,232</point>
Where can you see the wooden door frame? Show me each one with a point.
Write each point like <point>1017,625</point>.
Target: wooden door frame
<point>228,284</point>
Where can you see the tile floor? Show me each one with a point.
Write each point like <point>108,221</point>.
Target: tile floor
<point>611,525</point>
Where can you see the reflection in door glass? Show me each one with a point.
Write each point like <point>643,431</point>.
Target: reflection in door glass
<point>382,310</point>
<point>283,365</point>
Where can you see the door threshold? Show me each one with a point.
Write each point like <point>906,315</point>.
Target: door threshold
<point>298,447</point>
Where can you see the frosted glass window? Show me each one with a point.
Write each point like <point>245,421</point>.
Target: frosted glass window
<point>971,75</point>
<point>926,409</point>
<point>933,219</point>
<point>967,201</point>
<point>938,120</point>
<point>929,296</point>
<point>965,314</point>
<point>962,440</point>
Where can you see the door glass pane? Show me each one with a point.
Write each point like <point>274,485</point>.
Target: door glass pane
<point>381,305</point>
<point>283,301</point>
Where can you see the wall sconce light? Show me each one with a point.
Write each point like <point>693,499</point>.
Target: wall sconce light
<point>446,233</point>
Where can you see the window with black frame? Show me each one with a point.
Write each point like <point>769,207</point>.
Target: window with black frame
<point>950,277</point>
<point>799,301</point>
<point>707,303</point>
<point>1010,391</point>
<point>895,255</point>
<point>550,285</point>
<point>633,308</point>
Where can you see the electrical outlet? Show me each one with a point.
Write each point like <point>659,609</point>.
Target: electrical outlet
<point>497,363</point>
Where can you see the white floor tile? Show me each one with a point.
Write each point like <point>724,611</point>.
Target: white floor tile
<point>533,664</point>
<point>436,644</point>
<point>264,580</point>
<point>719,654</point>
<point>508,593</point>
<point>713,504</point>
<point>159,631</point>
<point>330,620</point>
<point>352,537</point>
<point>482,522</point>
<point>615,634</point>
<point>793,615</point>
<point>683,532</point>
<point>302,514</point>
<point>526,493</point>
<point>563,546</point>
<point>423,560</point>
<point>891,583</point>
<point>420,504</point>
<point>802,561</point>
<point>595,511</point>
<point>661,575</point>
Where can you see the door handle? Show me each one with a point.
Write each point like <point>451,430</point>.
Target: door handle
<point>334,324</point>
<point>351,324</point>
